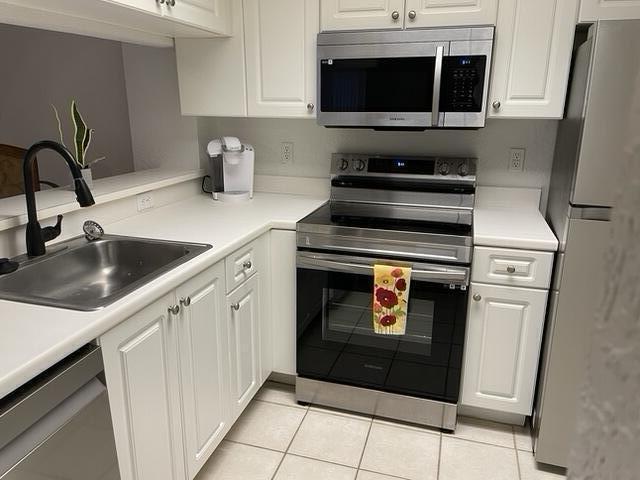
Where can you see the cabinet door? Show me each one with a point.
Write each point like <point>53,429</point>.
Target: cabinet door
<point>448,13</point>
<point>204,365</point>
<point>593,10</point>
<point>283,300</point>
<point>210,15</point>
<point>532,58</point>
<point>140,369</point>
<point>280,38</point>
<point>243,306</point>
<point>504,334</point>
<point>361,14</point>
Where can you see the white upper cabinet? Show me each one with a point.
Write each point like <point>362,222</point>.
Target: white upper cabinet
<point>532,58</point>
<point>592,10</point>
<point>361,14</point>
<point>280,37</point>
<point>204,365</point>
<point>504,333</point>
<point>447,13</point>
<point>209,15</point>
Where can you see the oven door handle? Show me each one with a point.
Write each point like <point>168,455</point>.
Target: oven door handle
<point>430,274</point>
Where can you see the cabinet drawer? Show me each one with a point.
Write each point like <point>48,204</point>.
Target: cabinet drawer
<point>243,263</point>
<point>525,268</point>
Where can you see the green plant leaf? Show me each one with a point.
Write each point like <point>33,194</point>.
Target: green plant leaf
<point>55,111</point>
<point>80,135</point>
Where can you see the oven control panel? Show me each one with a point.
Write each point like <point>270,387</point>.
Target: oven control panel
<point>395,165</point>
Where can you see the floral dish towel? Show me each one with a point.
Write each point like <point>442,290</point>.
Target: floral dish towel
<point>390,299</point>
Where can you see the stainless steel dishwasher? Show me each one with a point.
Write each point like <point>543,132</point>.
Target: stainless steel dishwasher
<point>58,425</point>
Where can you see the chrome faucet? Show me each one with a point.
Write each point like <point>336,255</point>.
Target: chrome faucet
<point>36,235</point>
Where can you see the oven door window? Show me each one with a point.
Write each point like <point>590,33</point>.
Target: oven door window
<point>336,340</point>
<point>377,84</point>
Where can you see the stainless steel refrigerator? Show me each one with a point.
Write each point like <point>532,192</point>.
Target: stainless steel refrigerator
<point>587,175</point>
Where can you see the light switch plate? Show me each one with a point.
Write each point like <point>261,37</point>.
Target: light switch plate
<point>144,201</point>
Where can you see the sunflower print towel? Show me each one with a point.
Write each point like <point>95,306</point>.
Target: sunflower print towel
<point>390,299</point>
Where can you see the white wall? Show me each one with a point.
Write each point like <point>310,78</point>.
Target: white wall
<point>40,67</point>
<point>313,146</point>
<point>161,137</point>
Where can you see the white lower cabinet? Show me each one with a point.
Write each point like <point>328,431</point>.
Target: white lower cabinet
<point>204,365</point>
<point>167,377</point>
<point>504,334</point>
<point>244,343</point>
<point>141,370</point>
<point>283,300</point>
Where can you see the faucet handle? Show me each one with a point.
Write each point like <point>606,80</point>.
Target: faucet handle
<point>49,233</point>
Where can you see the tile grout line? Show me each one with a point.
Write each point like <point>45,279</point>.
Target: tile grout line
<point>289,446</point>
<point>515,445</point>
<point>271,402</point>
<point>383,474</point>
<point>439,458</point>
<point>364,447</point>
<point>448,435</point>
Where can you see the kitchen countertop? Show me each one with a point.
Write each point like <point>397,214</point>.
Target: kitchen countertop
<point>35,337</point>
<point>511,218</point>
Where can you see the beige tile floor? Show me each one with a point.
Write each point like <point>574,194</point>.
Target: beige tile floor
<point>277,439</point>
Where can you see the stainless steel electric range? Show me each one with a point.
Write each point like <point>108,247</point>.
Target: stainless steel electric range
<point>391,210</point>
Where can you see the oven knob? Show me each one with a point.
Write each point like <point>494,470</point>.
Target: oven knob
<point>345,164</point>
<point>463,169</point>
<point>360,166</point>
<point>444,168</point>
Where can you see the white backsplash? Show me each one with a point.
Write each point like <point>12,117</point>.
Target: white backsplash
<point>313,146</point>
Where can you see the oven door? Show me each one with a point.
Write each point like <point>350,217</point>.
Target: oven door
<point>335,337</point>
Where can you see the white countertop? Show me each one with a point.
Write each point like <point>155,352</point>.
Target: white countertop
<point>510,218</point>
<point>32,338</point>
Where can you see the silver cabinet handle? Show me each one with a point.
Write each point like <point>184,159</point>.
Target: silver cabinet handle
<point>412,14</point>
<point>477,297</point>
<point>247,265</point>
<point>235,306</point>
<point>310,107</point>
<point>174,309</point>
<point>186,301</point>
<point>496,105</point>
<point>395,15</point>
<point>171,3</point>
<point>511,269</point>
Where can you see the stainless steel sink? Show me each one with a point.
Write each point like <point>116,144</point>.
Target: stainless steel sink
<point>88,275</point>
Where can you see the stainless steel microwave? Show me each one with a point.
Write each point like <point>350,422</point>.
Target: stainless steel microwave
<point>410,79</point>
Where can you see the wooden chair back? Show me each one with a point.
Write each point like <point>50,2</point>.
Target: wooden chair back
<point>11,178</point>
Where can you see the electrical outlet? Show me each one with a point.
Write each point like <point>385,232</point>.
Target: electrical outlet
<point>287,153</point>
<point>145,201</point>
<point>516,160</point>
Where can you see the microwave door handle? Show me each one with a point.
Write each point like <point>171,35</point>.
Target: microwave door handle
<point>437,274</point>
<point>437,82</point>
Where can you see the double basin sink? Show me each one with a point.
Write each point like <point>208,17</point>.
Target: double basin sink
<point>80,274</point>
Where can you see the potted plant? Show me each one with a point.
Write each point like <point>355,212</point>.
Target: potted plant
<point>81,141</point>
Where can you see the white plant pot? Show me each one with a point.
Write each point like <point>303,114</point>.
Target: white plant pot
<point>88,176</point>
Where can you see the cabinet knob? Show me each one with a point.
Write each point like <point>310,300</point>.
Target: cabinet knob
<point>511,269</point>
<point>247,265</point>
<point>310,107</point>
<point>174,309</point>
<point>477,297</point>
<point>186,301</point>
<point>412,14</point>
<point>235,306</point>
<point>160,1</point>
<point>171,3</point>
<point>496,105</point>
<point>395,15</point>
